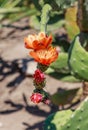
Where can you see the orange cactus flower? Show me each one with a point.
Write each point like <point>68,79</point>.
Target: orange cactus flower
<point>36,42</point>
<point>45,56</point>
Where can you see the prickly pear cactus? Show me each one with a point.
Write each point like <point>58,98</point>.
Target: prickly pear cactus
<point>57,120</point>
<point>60,66</point>
<point>68,120</point>
<point>79,119</point>
<point>78,60</point>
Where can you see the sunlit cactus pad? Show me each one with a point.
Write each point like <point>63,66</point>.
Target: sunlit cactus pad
<point>68,120</point>
<point>56,120</point>
<point>78,60</point>
<point>79,119</point>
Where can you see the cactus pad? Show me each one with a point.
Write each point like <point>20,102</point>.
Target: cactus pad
<point>60,65</point>
<point>68,120</point>
<point>79,119</point>
<point>78,60</point>
<point>56,120</point>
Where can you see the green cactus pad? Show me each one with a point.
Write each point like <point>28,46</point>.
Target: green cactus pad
<point>79,119</point>
<point>60,65</point>
<point>56,120</point>
<point>68,120</point>
<point>78,60</point>
<point>60,70</point>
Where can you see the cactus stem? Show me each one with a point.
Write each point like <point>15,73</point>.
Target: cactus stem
<point>45,17</point>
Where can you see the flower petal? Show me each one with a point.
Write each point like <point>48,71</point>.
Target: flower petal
<point>37,42</point>
<point>48,41</point>
<point>28,43</point>
<point>45,56</point>
<point>34,55</point>
<point>41,35</point>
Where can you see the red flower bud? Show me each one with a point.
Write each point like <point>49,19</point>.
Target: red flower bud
<point>36,97</point>
<point>39,76</point>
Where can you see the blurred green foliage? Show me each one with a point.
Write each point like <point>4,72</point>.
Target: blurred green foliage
<point>16,9</point>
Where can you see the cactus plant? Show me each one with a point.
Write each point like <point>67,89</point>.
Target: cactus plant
<point>78,59</point>
<point>78,53</point>
<point>79,119</point>
<point>60,65</point>
<point>56,120</point>
<point>78,63</point>
<point>60,70</point>
<point>67,120</point>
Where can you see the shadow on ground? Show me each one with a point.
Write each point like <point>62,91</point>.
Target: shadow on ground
<point>34,110</point>
<point>8,68</point>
